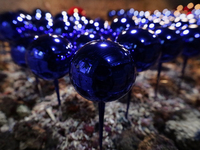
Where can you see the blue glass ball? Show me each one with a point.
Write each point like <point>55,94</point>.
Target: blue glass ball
<point>43,26</point>
<point>61,16</point>
<point>102,71</point>
<point>111,13</point>
<point>191,41</point>
<point>94,25</point>
<point>39,14</point>
<point>49,56</point>
<point>18,50</point>
<point>60,27</point>
<point>82,39</point>
<point>10,26</point>
<point>121,23</point>
<point>143,46</point>
<point>171,43</point>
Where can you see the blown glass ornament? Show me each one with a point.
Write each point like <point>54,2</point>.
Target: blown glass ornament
<point>144,47</point>
<point>48,57</point>
<point>171,45</point>
<point>18,50</point>
<point>82,39</point>
<point>191,40</point>
<point>102,71</point>
<point>11,25</point>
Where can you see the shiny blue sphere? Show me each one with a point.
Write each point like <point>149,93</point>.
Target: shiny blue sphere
<point>18,50</point>
<point>171,43</point>
<point>121,23</point>
<point>11,25</point>
<point>191,41</point>
<point>60,27</point>
<point>143,46</point>
<point>82,39</point>
<point>49,56</point>
<point>102,71</point>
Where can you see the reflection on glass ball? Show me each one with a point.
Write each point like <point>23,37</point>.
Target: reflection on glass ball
<point>18,50</point>
<point>102,71</point>
<point>191,40</point>
<point>82,39</point>
<point>49,56</point>
<point>171,43</point>
<point>143,46</point>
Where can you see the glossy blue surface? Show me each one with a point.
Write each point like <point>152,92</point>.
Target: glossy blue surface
<point>65,28</point>
<point>102,71</point>
<point>60,27</point>
<point>61,16</point>
<point>111,13</point>
<point>82,39</point>
<point>94,25</point>
<point>43,26</point>
<point>10,26</point>
<point>191,41</point>
<point>49,56</point>
<point>171,43</point>
<point>18,50</point>
<point>143,46</point>
<point>121,23</point>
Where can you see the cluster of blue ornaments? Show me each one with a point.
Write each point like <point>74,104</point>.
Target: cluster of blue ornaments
<point>101,58</point>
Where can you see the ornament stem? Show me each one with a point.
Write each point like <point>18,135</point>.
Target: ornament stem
<point>128,104</point>
<point>58,98</point>
<point>185,59</point>
<point>158,78</point>
<point>101,122</point>
<point>38,86</point>
<point>57,91</point>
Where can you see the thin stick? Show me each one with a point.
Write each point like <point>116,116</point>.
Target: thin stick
<point>185,60</point>
<point>101,122</point>
<point>128,104</point>
<point>38,85</point>
<point>158,79</point>
<point>58,98</point>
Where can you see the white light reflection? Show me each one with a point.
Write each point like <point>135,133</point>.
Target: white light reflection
<point>28,17</point>
<point>36,36</point>
<point>123,32</point>
<point>57,40</point>
<point>19,19</point>
<point>123,20</point>
<point>91,36</point>
<point>103,45</point>
<point>22,15</point>
<point>158,31</point>
<point>91,21</point>
<point>53,49</point>
<point>96,24</point>
<point>133,31</point>
<point>197,35</point>
<point>169,37</point>
<point>186,32</point>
